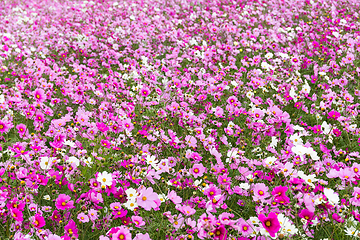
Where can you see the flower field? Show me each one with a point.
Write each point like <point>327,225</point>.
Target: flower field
<point>179,119</point>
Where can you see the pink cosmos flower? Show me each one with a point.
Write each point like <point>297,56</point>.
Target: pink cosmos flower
<point>138,221</point>
<point>334,114</point>
<point>225,218</point>
<point>147,199</point>
<point>356,197</point>
<point>280,196</point>
<point>258,114</point>
<point>83,217</point>
<point>56,216</point>
<point>102,127</point>
<point>54,237</point>
<point>144,92</point>
<point>122,233</point>
<point>119,213</point>
<point>4,127</point>
<point>105,143</point>
<point>219,112</point>
<point>16,214</point>
<point>191,140</point>
<point>22,129</point>
<point>178,221</point>
<point>102,237</point>
<point>71,229</point>
<point>212,191</point>
<point>270,223</point>
<point>141,236</point>
<point>306,214</point>
<point>38,221</point>
<point>245,227</point>
<point>337,132</point>
<point>39,95</point>
<point>260,192</point>
<point>220,233</point>
<point>185,209</point>
<point>174,197</point>
<point>93,215</point>
<point>198,170</point>
<point>63,202</point>
<point>337,218</point>
<point>127,124</point>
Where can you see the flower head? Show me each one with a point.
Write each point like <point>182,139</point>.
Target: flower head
<point>220,233</point>
<point>63,202</point>
<point>270,223</point>
<point>71,229</point>
<point>38,221</point>
<point>105,179</point>
<point>147,199</point>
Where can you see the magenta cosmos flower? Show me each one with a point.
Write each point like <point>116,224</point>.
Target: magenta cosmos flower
<point>71,229</point>
<point>40,95</point>
<point>334,114</point>
<point>144,92</point>
<point>17,214</point>
<point>63,202</point>
<point>270,223</point>
<point>38,221</point>
<point>279,194</point>
<point>306,214</point>
<point>4,127</point>
<point>220,233</point>
<point>147,199</point>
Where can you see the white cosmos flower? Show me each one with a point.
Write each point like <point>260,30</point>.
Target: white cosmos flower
<point>131,193</point>
<point>163,197</point>
<point>88,161</point>
<point>287,228</point>
<point>73,159</point>
<point>152,161</point>
<point>105,179</point>
<point>309,179</point>
<point>313,154</point>
<point>325,127</point>
<point>47,197</point>
<point>296,139</point>
<point>46,163</point>
<point>131,204</point>
<point>332,197</point>
<point>244,186</point>
<point>270,160</point>
<point>351,231</point>
<point>70,143</point>
<point>300,150</point>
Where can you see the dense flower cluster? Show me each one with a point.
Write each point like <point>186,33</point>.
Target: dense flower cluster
<point>179,120</point>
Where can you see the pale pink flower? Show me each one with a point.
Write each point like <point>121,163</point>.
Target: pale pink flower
<point>147,199</point>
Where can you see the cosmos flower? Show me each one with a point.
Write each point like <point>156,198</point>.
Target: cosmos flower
<point>4,127</point>
<point>71,229</point>
<point>260,191</point>
<point>334,114</point>
<point>270,223</point>
<point>39,95</point>
<point>63,202</point>
<point>105,179</point>
<point>197,170</point>
<point>220,233</point>
<point>122,233</point>
<point>38,221</point>
<point>147,199</point>
<point>82,217</point>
